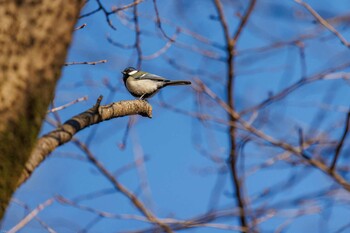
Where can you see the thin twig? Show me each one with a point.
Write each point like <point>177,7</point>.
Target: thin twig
<point>199,221</point>
<point>301,139</point>
<point>244,20</point>
<point>120,45</point>
<point>283,145</point>
<point>326,74</point>
<point>223,21</point>
<point>90,13</point>
<point>115,10</point>
<point>30,216</point>
<point>41,222</point>
<point>341,142</point>
<point>162,50</point>
<point>85,62</point>
<point>129,166</point>
<point>324,22</point>
<point>159,23</point>
<point>80,27</point>
<point>65,201</point>
<point>301,47</point>
<point>140,158</point>
<point>230,51</point>
<point>131,122</point>
<point>106,15</point>
<point>137,37</point>
<point>231,129</point>
<point>136,202</point>
<point>100,8</point>
<point>68,104</point>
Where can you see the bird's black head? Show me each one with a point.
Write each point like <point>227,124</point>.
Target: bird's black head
<point>128,70</point>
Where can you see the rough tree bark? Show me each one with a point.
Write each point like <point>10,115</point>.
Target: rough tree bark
<point>65,132</point>
<point>34,37</point>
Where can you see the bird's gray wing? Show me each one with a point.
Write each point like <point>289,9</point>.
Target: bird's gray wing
<point>152,77</point>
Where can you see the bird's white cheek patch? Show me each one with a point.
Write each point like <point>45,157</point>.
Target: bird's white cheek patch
<point>132,72</point>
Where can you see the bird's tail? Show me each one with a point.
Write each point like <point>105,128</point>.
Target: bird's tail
<point>175,83</point>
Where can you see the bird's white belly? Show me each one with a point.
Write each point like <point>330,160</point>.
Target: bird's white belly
<point>141,87</point>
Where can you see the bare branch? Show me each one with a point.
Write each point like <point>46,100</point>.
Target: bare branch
<point>162,50</point>
<point>324,22</point>
<point>30,216</point>
<point>230,51</point>
<point>101,7</point>
<point>80,27</point>
<point>244,20</point>
<point>231,129</point>
<point>47,143</point>
<point>326,74</point>
<point>294,150</point>
<point>200,221</point>
<point>68,104</point>
<point>108,13</point>
<point>115,10</point>
<point>137,203</point>
<point>159,23</point>
<point>85,62</point>
<point>65,201</point>
<point>131,122</point>
<point>91,12</point>
<point>341,142</point>
<point>120,45</point>
<point>137,37</point>
<point>223,21</point>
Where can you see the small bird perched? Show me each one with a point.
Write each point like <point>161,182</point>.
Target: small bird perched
<point>144,85</point>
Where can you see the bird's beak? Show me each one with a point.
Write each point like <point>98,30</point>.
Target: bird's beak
<point>123,72</point>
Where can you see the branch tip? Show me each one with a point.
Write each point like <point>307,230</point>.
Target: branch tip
<point>98,101</point>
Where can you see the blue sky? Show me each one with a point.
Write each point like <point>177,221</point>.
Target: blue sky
<point>182,182</point>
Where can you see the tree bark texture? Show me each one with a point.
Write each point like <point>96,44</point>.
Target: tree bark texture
<point>34,38</point>
<point>50,141</point>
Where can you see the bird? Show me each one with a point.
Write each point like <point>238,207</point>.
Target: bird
<point>144,85</point>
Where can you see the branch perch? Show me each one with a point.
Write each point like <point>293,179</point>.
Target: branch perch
<point>47,143</point>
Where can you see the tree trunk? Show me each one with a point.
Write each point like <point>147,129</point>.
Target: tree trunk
<point>34,38</point>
